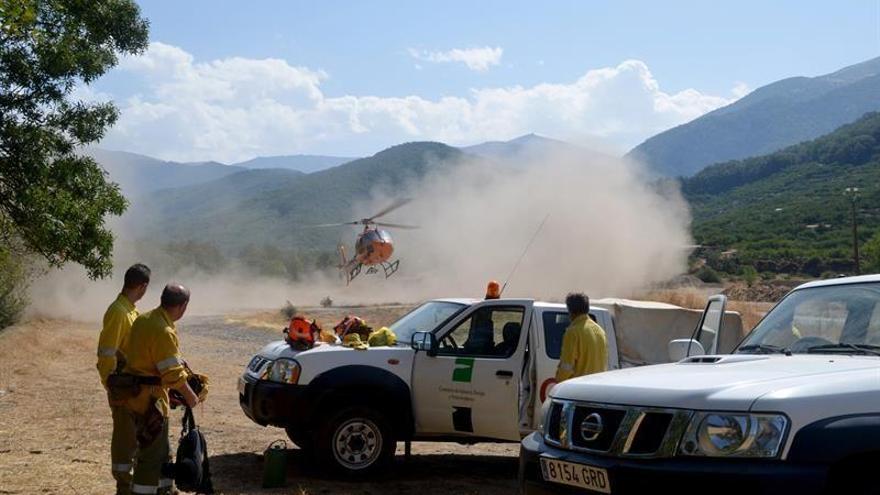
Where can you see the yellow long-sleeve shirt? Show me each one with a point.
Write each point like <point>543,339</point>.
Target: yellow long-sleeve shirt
<point>118,318</point>
<point>584,349</point>
<point>152,350</point>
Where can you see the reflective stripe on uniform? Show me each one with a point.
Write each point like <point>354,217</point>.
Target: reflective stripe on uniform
<point>167,363</point>
<point>106,351</point>
<point>145,489</point>
<point>165,482</point>
<point>566,366</point>
<point>121,468</point>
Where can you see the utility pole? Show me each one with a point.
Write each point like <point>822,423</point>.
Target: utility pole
<point>853,194</point>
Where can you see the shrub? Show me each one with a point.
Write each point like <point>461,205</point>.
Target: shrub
<point>708,275</point>
<point>289,310</point>
<point>326,302</point>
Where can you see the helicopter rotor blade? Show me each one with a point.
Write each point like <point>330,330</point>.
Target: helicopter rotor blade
<point>397,204</point>
<point>397,226</point>
<point>330,225</point>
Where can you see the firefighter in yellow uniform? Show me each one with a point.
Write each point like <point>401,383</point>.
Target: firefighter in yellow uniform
<point>153,356</point>
<point>117,324</point>
<point>584,347</point>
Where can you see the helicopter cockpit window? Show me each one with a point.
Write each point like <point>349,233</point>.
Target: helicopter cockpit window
<point>489,332</point>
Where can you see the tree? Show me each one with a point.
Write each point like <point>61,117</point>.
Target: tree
<point>53,200</point>
<point>871,254</point>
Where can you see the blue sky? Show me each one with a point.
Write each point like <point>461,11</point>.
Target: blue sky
<point>366,75</point>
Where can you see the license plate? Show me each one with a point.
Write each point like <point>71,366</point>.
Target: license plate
<point>241,385</point>
<point>579,475</point>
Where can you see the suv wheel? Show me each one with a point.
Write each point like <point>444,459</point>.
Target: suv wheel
<point>357,441</point>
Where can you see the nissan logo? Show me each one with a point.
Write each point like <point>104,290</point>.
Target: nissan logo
<point>591,427</point>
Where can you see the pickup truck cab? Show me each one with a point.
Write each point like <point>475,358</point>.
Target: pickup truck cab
<point>795,408</point>
<point>463,370</point>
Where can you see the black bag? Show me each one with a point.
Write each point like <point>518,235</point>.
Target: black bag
<point>191,470</point>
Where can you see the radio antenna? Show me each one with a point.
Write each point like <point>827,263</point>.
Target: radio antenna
<point>526,250</point>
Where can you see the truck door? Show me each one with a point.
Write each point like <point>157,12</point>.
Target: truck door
<point>553,323</point>
<point>471,386</point>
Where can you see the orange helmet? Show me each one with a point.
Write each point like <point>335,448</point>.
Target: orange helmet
<point>493,290</point>
<point>301,332</point>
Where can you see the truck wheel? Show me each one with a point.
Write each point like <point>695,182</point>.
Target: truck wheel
<point>302,439</point>
<point>355,442</point>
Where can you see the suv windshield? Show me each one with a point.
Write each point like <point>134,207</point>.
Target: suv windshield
<point>424,319</point>
<point>830,319</point>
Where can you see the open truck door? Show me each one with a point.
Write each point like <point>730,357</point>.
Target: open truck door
<point>468,379</point>
<point>705,337</point>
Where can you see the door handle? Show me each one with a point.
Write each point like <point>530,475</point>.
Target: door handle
<point>504,374</point>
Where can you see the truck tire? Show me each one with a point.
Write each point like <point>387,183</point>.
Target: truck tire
<point>303,440</point>
<point>355,442</point>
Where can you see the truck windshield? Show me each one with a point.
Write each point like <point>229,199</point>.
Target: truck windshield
<point>829,319</point>
<point>424,319</point>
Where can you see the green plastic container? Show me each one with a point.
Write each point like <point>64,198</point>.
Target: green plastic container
<point>275,465</point>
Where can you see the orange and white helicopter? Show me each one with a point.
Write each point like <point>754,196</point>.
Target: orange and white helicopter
<point>373,247</point>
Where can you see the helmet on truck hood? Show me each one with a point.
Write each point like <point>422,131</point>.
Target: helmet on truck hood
<point>301,333</point>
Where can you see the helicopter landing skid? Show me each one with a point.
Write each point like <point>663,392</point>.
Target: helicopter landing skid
<point>390,268</point>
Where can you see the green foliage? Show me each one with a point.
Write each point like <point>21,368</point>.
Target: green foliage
<point>786,212</point>
<point>870,254</point>
<point>750,275</point>
<point>13,285</point>
<point>50,198</point>
<point>708,275</point>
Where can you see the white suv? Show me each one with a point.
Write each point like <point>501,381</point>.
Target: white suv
<point>794,409</point>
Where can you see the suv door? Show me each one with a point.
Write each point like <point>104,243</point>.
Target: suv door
<point>471,385</point>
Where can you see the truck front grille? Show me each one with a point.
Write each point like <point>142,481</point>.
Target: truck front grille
<point>619,431</point>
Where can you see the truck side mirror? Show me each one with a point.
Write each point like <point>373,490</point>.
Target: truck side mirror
<point>678,349</point>
<point>425,341</point>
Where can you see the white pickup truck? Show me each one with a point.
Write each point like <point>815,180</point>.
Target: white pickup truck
<point>794,409</point>
<point>463,370</point>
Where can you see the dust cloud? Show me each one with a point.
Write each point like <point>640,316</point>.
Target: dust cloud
<point>610,230</point>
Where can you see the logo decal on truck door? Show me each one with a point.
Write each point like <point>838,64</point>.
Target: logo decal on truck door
<point>464,370</point>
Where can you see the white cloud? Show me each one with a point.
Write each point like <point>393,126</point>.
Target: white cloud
<point>477,58</point>
<point>740,89</point>
<point>236,108</point>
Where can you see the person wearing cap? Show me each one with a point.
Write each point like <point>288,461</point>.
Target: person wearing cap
<point>584,346</point>
<point>118,318</point>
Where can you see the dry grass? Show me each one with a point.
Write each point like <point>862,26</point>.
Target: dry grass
<point>750,312</point>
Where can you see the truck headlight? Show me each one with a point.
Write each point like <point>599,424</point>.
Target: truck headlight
<point>721,434</point>
<point>282,371</point>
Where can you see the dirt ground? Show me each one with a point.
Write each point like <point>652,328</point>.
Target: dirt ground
<point>55,423</point>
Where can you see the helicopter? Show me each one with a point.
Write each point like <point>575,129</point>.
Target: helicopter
<point>373,247</point>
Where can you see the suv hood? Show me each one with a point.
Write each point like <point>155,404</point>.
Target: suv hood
<point>738,382</point>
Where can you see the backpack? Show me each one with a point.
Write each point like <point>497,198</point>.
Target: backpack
<point>191,470</point>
